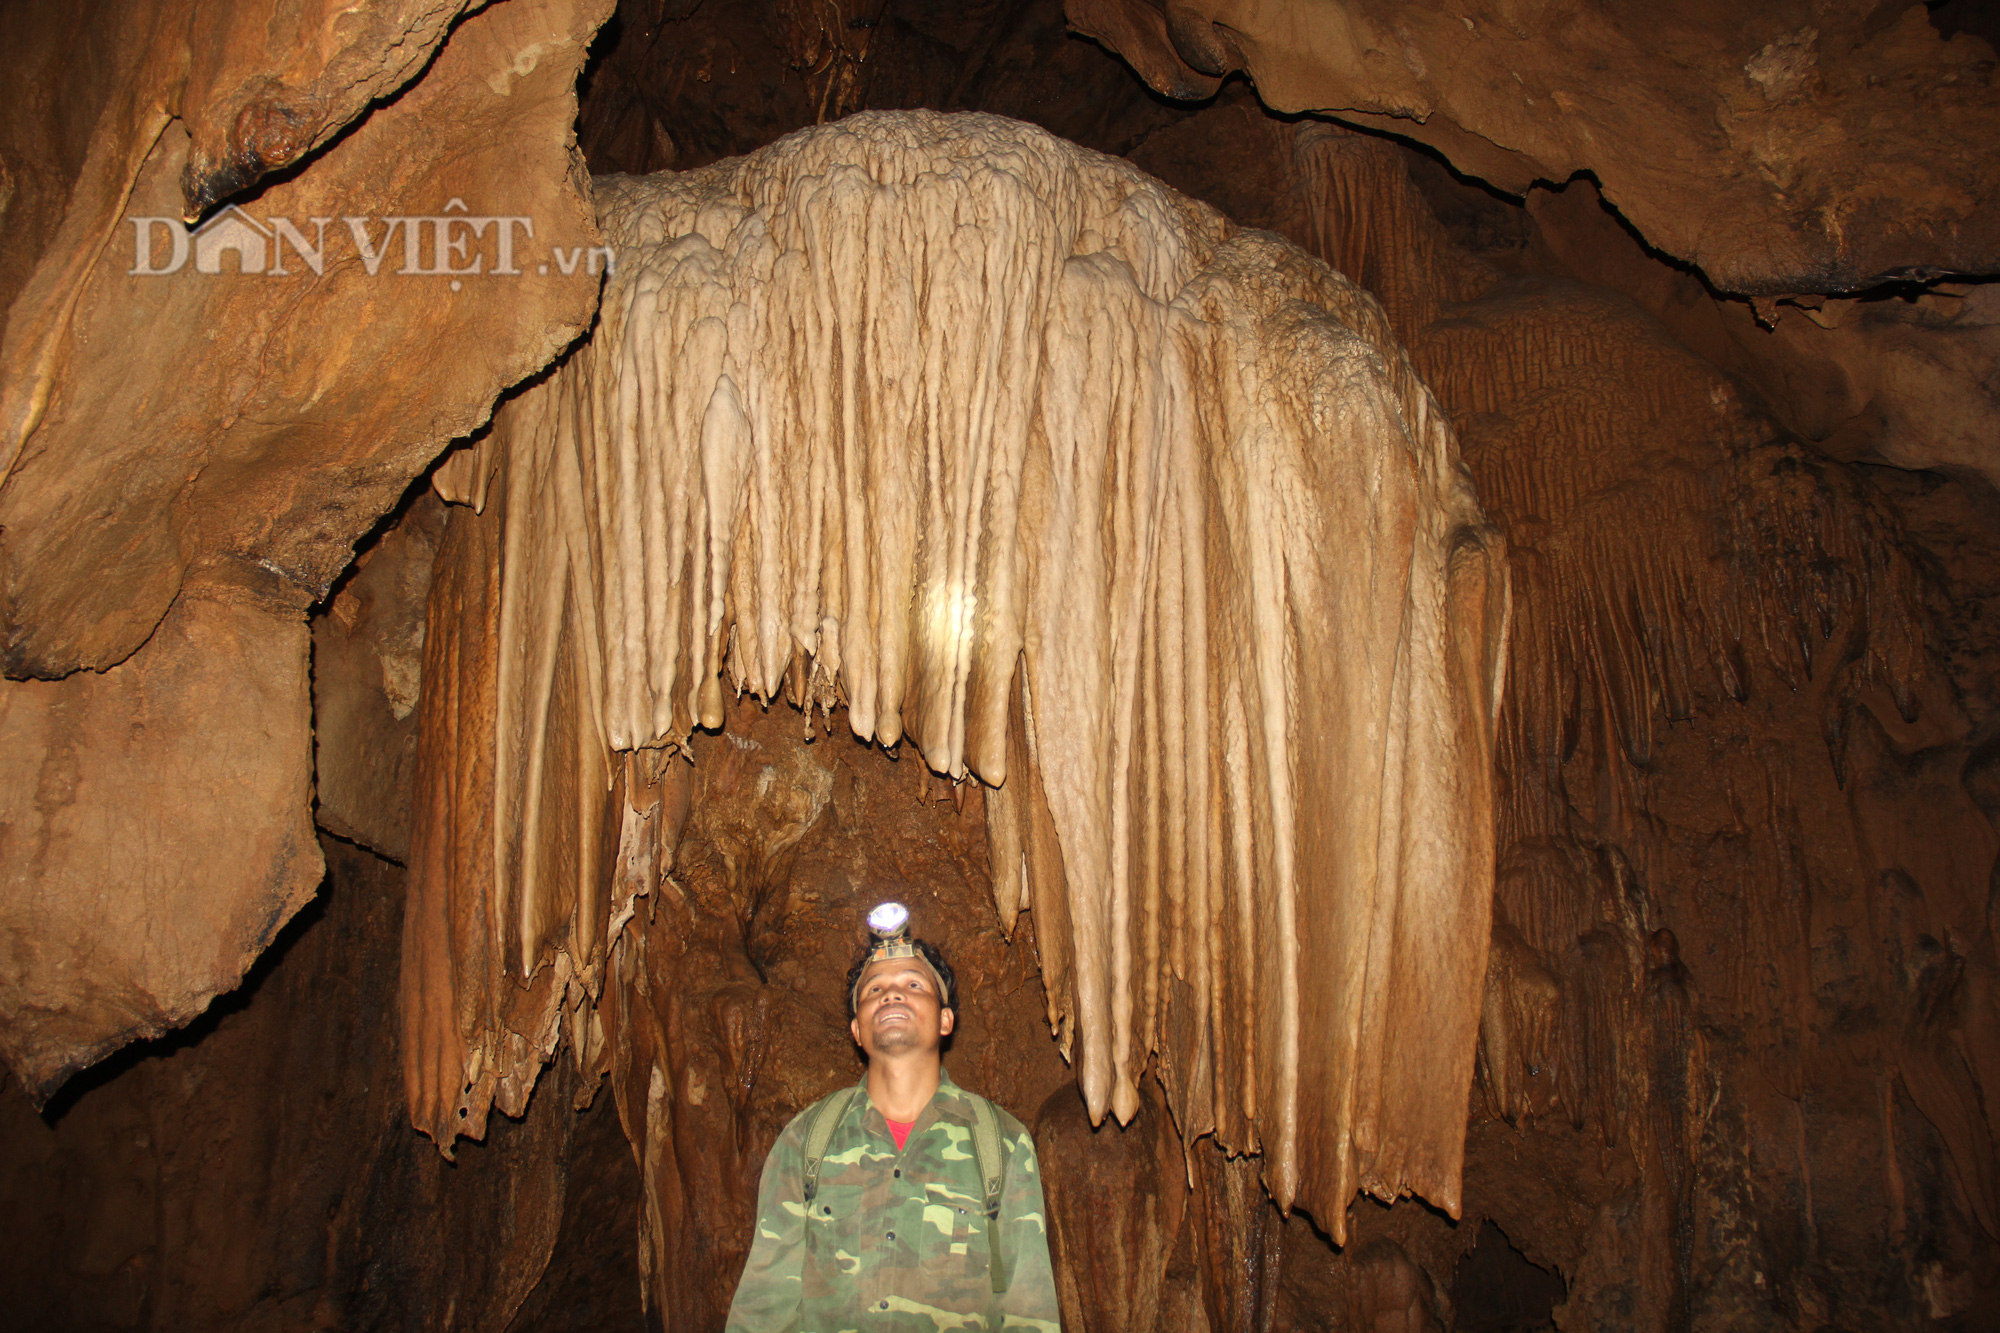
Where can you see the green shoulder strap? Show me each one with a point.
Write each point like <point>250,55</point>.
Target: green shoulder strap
<point>820,1132</point>
<point>993,1176</point>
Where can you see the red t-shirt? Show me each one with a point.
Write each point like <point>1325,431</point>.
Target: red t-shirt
<point>900,1130</point>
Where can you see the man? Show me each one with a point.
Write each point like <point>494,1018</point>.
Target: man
<point>904,1202</point>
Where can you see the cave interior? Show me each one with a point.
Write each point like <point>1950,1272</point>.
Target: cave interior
<point>1614,390</point>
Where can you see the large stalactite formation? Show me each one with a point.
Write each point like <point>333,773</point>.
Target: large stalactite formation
<point>1002,448</point>
<point>1410,590</point>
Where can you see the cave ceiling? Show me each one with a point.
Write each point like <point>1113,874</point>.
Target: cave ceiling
<point>1780,148</point>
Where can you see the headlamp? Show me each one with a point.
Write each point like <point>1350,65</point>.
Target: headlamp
<point>890,924</point>
<point>889,920</point>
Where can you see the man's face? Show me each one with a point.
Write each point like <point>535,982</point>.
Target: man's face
<point>899,1009</point>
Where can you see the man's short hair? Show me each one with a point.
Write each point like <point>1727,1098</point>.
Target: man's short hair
<point>932,955</point>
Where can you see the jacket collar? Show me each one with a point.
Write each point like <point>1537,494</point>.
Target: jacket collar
<point>948,1102</point>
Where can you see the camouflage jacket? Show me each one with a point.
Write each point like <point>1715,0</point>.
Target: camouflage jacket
<point>895,1242</point>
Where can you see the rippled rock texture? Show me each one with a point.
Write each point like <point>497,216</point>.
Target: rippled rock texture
<point>1137,518</point>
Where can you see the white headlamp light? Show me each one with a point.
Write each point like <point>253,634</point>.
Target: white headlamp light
<point>889,920</point>
<point>890,924</point>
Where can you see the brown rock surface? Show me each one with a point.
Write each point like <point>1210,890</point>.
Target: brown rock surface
<point>678,85</point>
<point>282,413</point>
<point>256,1172</point>
<point>155,831</point>
<point>367,657</point>
<point>1778,148</point>
<point>1908,375</point>
<point>266,85</point>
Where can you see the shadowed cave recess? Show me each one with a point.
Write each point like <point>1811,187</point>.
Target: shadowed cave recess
<point>1410,590</point>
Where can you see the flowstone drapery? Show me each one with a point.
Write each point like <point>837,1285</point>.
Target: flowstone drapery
<point>1137,517</point>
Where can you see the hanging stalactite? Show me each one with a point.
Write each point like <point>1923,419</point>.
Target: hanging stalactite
<point>1137,517</point>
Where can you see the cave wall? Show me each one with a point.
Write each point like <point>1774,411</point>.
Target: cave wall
<point>1712,888</point>
<point>1711,885</point>
<point>203,450</point>
<point>1788,148</point>
<point>256,1171</point>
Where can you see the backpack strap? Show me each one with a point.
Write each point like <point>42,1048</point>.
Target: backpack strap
<point>819,1133</point>
<point>993,1177</point>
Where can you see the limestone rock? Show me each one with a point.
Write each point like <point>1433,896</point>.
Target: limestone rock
<point>240,421</point>
<point>268,84</point>
<point>254,1173</point>
<point>1140,518</point>
<point>155,832</point>
<point>271,411</point>
<point>1905,375</point>
<point>1780,148</point>
<point>368,648</point>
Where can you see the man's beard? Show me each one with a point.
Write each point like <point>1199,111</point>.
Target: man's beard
<point>896,1037</point>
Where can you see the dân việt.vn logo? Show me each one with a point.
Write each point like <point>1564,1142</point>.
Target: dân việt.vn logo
<point>455,244</point>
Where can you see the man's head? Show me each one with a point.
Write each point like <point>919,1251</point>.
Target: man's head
<point>900,1004</point>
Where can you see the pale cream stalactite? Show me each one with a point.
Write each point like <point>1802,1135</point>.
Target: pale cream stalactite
<point>1140,518</point>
